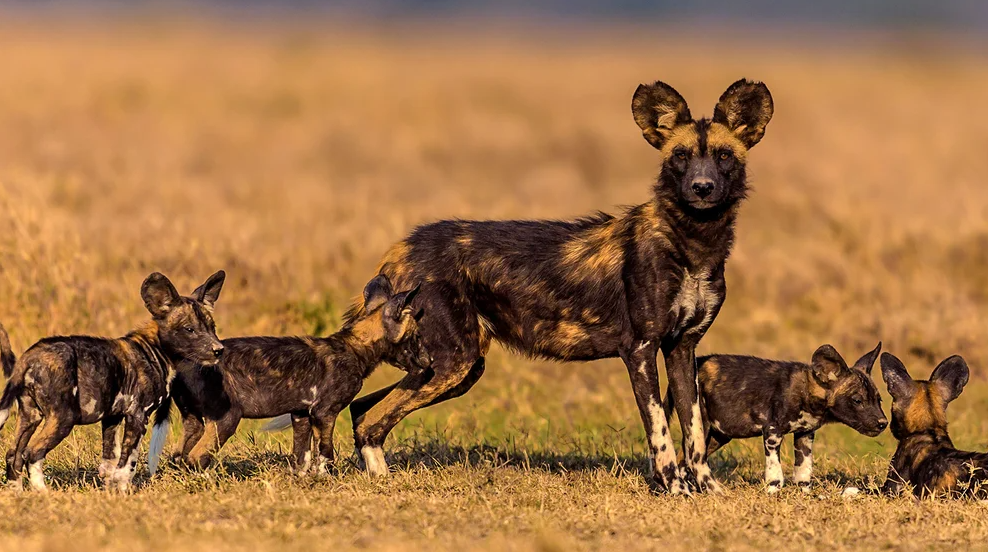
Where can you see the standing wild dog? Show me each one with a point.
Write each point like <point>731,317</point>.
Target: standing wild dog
<point>650,280</point>
<point>62,382</point>
<point>744,396</point>
<point>311,378</point>
<point>926,459</point>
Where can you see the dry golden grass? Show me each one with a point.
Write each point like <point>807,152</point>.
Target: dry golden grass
<point>292,157</point>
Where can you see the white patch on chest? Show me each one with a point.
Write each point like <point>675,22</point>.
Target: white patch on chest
<point>695,295</point>
<point>804,422</point>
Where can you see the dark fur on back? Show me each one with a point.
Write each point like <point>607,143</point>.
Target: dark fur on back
<point>649,280</point>
<point>925,459</point>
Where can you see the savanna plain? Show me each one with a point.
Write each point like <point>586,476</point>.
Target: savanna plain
<point>292,155</point>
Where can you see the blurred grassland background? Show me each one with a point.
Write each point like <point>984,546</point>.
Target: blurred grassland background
<point>292,154</point>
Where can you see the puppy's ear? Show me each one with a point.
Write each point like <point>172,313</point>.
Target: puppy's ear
<point>209,292</point>
<point>658,109</point>
<point>867,362</point>
<point>745,107</point>
<point>377,292</point>
<point>159,295</point>
<point>900,384</point>
<point>950,377</point>
<point>827,364</point>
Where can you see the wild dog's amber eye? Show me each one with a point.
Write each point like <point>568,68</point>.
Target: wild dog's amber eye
<point>724,155</point>
<point>857,401</point>
<point>190,329</point>
<point>681,155</point>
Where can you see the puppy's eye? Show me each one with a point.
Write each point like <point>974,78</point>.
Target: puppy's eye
<point>725,155</point>
<point>681,155</point>
<point>190,329</point>
<point>857,401</point>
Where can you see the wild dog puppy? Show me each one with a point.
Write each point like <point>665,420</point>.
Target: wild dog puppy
<point>745,397</point>
<point>925,460</point>
<point>649,280</point>
<point>311,378</point>
<point>62,382</point>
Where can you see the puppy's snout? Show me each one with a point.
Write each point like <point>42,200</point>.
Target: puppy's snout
<point>702,187</point>
<point>218,350</point>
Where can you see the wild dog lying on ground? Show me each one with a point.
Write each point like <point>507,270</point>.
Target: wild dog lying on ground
<point>62,382</point>
<point>745,397</point>
<point>650,280</point>
<point>925,460</point>
<point>311,378</point>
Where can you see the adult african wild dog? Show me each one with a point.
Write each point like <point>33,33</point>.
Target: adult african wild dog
<point>650,280</point>
<point>311,378</point>
<point>925,460</point>
<point>744,396</point>
<point>62,382</point>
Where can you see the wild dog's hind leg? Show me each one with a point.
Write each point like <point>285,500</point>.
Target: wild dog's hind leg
<point>27,423</point>
<point>640,360</point>
<point>135,425</point>
<point>803,453</point>
<point>301,443</point>
<point>53,430</point>
<point>111,446</point>
<point>684,386</point>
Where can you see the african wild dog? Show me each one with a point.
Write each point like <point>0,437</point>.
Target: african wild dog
<point>62,382</point>
<point>745,397</point>
<point>629,286</point>
<point>311,378</point>
<point>925,460</point>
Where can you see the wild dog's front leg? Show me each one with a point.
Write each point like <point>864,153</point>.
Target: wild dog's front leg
<point>803,453</point>
<point>192,429</point>
<point>685,388</point>
<point>773,464</point>
<point>123,473</point>
<point>216,435</point>
<point>640,360</point>
<point>301,443</point>
<point>111,446</point>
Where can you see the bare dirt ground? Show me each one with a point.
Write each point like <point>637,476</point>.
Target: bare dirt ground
<point>293,156</point>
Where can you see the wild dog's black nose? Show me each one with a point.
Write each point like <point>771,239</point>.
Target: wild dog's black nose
<point>218,351</point>
<point>702,188</point>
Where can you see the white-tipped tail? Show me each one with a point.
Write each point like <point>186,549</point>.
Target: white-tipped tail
<point>4,414</point>
<point>279,423</point>
<point>159,434</point>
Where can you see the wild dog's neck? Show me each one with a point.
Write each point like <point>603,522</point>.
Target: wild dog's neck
<point>145,339</point>
<point>814,396</point>
<point>931,437</point>
<point>705,236</point>
<point>365,340</point>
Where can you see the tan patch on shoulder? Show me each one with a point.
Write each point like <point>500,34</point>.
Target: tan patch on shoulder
<point>719,136</point>
<point>395,262</point>
<point>594,253</point>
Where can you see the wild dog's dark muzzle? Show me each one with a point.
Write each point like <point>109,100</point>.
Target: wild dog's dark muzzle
<point>702,186</point>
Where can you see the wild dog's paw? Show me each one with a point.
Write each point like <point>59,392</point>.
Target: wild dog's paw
<point>374,461</point>
<point>773,487</point>
<point>707,484</point>
<point>805,487</point>
<point>16,485</point>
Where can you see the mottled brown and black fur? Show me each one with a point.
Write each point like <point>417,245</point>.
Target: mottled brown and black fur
<point>925,460</point>
<point>745,396</point>
<point>311,378</point>
<point>647,281</point>
<point>62,382</point>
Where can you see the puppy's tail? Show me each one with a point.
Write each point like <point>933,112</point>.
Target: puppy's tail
<point>159,434</point>
<point>277,424</point>
<point>7,356</point>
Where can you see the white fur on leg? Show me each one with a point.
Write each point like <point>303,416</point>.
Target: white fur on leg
<point>37,475</point>
<point>803,471</point>
<point>4,414</point>
<point>109,465</point>
<point>122,477</point>
<point>323,463</point>
<point>773,465</point>
<point>699,449</point>
<point>374,460</point>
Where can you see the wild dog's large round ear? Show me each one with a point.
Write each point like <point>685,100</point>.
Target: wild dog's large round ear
<point>827,364</point>
<point>950,377</point>
<point>159,295</point>
<point>377,292</point>
<point>398,305</point>
<point>209,292</point>
<point>745,107</point>
<point>867,362</point>
<point>900,384</point>
<point>657,109</point>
